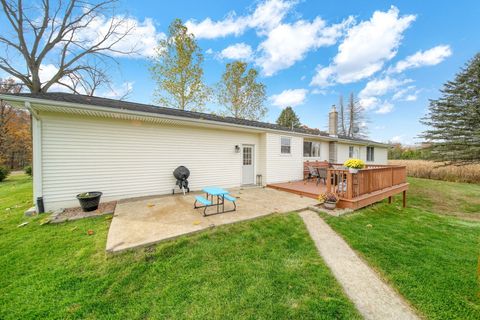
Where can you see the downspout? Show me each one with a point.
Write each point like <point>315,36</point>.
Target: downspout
<point>37,158</point>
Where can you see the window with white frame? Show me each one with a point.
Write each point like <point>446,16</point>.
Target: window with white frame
<point>353,152</point>
<point>285,145</point>
<point>370,154</point>
<point>311,149</point>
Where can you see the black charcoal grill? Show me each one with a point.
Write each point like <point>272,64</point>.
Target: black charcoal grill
<point>181,174</point>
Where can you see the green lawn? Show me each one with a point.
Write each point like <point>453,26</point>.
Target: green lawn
<point>264,269</point>
<point>430,256</point>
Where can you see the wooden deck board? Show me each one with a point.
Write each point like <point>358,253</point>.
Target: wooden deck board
<point>312,190</point>
<point>304,188</point>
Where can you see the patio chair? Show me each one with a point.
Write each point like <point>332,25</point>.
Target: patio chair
<point>322,175</point>
<point>313,173</point>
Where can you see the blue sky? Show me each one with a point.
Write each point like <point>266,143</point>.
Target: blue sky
<point>393,55</point>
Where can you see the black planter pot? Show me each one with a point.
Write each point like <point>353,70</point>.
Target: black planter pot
<point>89,200</point>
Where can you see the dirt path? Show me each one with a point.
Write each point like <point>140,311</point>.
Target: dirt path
<point>373,298</point>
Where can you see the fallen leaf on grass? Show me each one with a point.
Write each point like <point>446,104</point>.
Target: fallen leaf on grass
<point>90,232</point>
<point>22,224</point>
<point>44,221</point>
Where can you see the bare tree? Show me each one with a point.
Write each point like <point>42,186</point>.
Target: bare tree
<point>60,32</point>
<point>357,122</point>
<point>343,121</point>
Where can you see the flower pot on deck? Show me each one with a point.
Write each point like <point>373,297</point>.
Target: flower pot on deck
<point>329,205</point>
<point>353,170</point>
<point>89,201</point>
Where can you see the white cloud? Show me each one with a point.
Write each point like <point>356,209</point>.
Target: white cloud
<point>429,57</point>
<point>47,71</point>
<point>238,51</point>
<point>285,43</point>
<point>288,43</point>
<point>397,139</point>
<point>369,103</point>
<point>369,96</point>
<point>318,91</point>
<point>118,92</point>
<point>411,97</point>
<point>406,94</point>
<point>379,87</point>
<point>366,48</point>
<point>141,39</point>
<point>291,97</point>
<point>266,16</point>
<point>386,107</point>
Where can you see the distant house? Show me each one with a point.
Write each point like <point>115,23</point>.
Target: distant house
<point>127,149</point>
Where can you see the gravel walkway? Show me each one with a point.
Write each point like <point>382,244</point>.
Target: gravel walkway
<point>373,298</point>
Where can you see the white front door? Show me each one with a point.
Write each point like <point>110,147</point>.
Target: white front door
<point>248,160</point>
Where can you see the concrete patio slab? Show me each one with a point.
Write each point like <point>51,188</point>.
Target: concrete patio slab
<point>147,221</point>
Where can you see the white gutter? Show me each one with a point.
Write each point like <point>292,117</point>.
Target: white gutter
<point>36,153</point>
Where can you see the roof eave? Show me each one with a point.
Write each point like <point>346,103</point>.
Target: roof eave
<point>20,100</point>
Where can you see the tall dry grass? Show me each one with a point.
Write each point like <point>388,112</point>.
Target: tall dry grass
<point>431,170</point>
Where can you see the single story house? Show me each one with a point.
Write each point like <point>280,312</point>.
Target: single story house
<point>126,149</point>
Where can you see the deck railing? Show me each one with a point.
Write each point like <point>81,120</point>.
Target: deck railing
<point>373,178</point>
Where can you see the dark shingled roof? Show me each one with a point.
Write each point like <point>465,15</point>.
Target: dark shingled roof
<point>133,106</point>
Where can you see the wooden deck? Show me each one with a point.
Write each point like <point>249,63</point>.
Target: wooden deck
<point>354,191</point>
<point>304,188</point>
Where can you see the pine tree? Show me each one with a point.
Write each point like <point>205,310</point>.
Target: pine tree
<point>288,118</point>
<point>454,118</point>
<point>178,71</point>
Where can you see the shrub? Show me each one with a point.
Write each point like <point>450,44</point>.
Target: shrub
<point>3,173</point>
<point>28,170</point>
<point>354,164</point>
<point>327,197</point>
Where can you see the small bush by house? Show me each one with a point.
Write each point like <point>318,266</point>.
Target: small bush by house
<point>3,173</point>
<point>28,170</point>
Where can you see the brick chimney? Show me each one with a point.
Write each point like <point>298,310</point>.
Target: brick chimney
<point>333,122</point>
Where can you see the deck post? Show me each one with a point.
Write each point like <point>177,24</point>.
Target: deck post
<point>349,185</point>
<point>404,198</point>
<point>329,180</point>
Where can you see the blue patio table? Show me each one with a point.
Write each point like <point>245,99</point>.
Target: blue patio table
<point>219,193</point>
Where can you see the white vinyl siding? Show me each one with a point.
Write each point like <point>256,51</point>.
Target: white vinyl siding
<point>380,156</point>
<point>131,158</point>
<point>282,167</point>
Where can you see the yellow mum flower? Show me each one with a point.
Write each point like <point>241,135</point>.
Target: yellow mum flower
<point>354,163</point>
